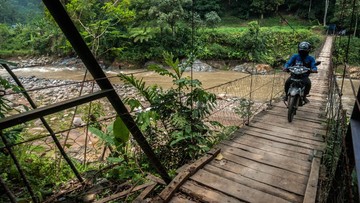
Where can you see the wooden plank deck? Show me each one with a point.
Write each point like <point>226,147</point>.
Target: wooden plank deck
<point>271,160</point>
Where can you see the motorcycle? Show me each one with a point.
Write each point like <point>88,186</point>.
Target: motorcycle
<point>295,94</point>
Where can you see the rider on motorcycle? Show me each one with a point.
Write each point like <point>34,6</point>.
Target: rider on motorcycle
<point>301,59</point>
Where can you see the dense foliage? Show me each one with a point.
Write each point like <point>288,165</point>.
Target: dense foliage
<point>175,120</point>
<point>20,11</point>
<point>139,30</point>
<point>352,56</point>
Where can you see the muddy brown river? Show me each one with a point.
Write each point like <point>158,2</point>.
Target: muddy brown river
<point>208,79</point>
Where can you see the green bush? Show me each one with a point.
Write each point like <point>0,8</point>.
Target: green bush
<point>263,45</point>
<point>353,57</point>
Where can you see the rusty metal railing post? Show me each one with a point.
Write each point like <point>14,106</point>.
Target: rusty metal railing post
<point>59,14</point>
<point>11,196</point>
<point>250,97</point>
<point>46,125</point>
<point>272,88</point>
<point>17,164</point>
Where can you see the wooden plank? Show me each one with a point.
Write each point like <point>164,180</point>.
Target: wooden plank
<point>301,115</point>
<point>306,108</point>
<point>283,108</point>
<point>205,194</point>
<point>180,199</point>
<point>311,188</point>
<point>123,193</point>
<point>269,160</point>
<point>145,193</point>
<point>234,189</point>
<point>170,189</point>
<point>274,144</point>
<point>303,119</point>
<point>282,140</point>
<point>258,185</point>
<point>294,125</point>
<point>298,136</point>
<point>312,111</point>
<point>243,143</point>
<point>275,171</point>
<point>316,106</point>
<point>284,129</point>
<point>261,152</point>
<point>155,179</point>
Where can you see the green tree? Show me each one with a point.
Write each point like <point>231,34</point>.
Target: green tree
<point>101,22</point>
<point>265,6</point>
<point>212,19</point>
<point>168,13</point>
<point>343,13</point>
<point>202,7</point>
<point>19,11</point>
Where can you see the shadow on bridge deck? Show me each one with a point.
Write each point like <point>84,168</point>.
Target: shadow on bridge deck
<point>270,160</point>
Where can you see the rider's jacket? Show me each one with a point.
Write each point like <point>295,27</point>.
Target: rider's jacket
<point>308,62</point>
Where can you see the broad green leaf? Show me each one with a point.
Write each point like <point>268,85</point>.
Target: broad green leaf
<point>115,159</point>
<point>120,131</point>
<point>103,136</point>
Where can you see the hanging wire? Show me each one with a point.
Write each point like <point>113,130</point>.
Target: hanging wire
<point>192,57</point>
<point>71,83</point>
<point>348,44</point>
<point>283,19</point>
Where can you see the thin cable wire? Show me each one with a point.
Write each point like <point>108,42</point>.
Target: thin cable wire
<point>70,83</point>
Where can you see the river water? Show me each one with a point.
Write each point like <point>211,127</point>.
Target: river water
<point>208,79</point>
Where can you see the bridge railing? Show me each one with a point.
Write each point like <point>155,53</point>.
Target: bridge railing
<point>240,99</point>
<point>346,159</point>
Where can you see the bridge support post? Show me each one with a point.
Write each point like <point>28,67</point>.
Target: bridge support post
<point>59,14</point>
<point>349,154</point>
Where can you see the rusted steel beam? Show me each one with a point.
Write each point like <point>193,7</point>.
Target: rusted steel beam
<point>50,109</point>
<point>11,196</point>
<point>46,125</point>
<point>18,166</point>
<point>59,14</point>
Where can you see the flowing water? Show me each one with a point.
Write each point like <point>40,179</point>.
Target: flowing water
<point>208,79</point>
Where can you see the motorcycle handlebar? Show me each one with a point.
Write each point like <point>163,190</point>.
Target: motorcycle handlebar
<point>310,70</point>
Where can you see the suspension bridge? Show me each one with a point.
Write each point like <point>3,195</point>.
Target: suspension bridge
<point>268,160</point>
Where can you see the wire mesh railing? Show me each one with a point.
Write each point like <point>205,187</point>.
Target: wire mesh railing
<point>87,148</point>
<point>250,93</point>
<point>338,181</point>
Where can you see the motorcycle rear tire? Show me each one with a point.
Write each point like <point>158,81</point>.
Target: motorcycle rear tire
<point>293,101</point>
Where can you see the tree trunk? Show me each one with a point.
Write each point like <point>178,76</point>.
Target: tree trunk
<point>326,10</point>
<point>356,24</point>
<point>262,16</point>
<point>309,9</point>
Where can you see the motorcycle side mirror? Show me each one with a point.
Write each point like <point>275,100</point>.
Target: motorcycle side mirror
<point>317,63</point>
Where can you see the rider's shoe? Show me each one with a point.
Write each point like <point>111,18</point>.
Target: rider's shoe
<point>306,100</point>
<point>285,98</point>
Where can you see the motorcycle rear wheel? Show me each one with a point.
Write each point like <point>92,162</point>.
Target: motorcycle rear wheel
<point>293,101</point>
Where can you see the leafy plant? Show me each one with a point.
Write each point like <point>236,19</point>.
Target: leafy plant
<point>116,138</point>
<point>212,19</point>
<point>244,110</point>
<point>5,103</point>
<point>174,122</point>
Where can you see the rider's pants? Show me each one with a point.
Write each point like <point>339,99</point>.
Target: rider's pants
<point>306,82</point>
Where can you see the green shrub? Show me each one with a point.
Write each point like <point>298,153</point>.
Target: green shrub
<point>174,124</point>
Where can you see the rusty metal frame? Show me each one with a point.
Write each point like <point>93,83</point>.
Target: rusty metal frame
<point>107,90</point>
